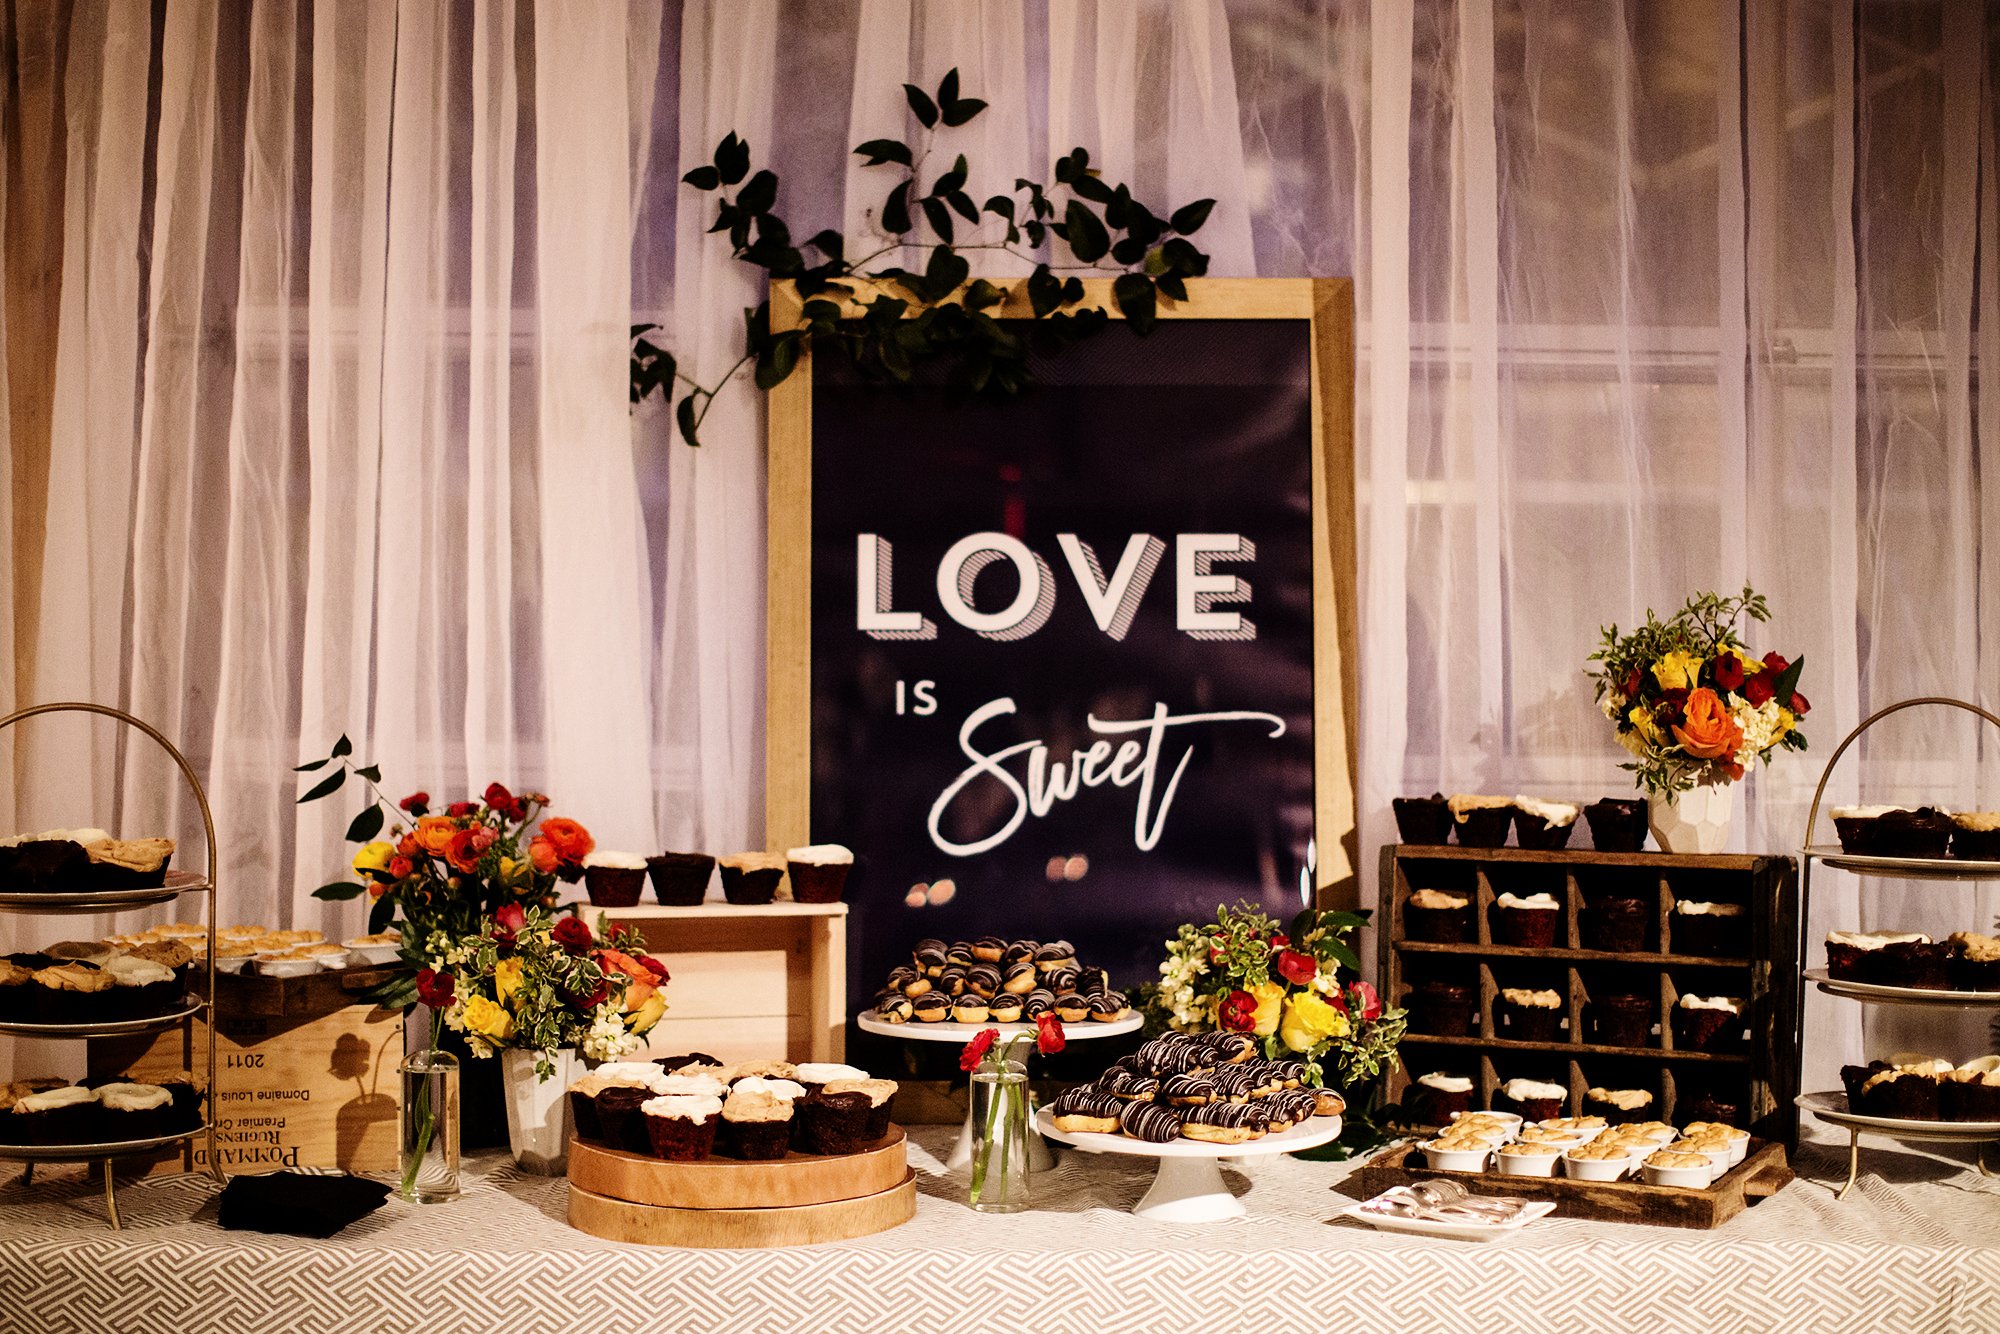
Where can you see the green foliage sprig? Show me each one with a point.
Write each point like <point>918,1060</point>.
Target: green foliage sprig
<point>937,315</point>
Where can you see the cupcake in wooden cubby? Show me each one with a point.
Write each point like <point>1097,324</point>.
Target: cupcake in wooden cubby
<point>1438,917</point>
<point>1713,930</point>
<point>1524,1014</point>
<point>1481,822</point>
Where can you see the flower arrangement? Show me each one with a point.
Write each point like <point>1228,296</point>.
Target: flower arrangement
<point>1243,974</point>
<point>1002,1131</point>
<point>1690,701</point>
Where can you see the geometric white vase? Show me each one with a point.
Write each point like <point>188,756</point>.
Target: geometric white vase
<point>1694,821</point>
<point>538,1120</point>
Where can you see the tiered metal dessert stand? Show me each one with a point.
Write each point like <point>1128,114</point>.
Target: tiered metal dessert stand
<point>1831,1107</point>
<point>177,884</point>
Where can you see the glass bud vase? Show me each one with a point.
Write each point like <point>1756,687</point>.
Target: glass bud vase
<point>1000,1139</point>
<point>429,1139</point>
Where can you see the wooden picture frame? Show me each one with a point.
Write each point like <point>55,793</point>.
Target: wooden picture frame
<point>1327,306</point>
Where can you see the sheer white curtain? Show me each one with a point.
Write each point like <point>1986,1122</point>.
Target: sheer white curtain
<point>1653,297</point>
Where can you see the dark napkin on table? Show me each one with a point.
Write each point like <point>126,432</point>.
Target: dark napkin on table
<point>297,1203</point>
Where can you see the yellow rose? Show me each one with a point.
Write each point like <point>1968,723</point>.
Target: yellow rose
<point>1310,1020</point>
<point>1679,670</point>
<point>1786,722</point>
<point>507,979</point>
<point>1648,730</point>
<point>373,857</point>
<point>640,1022</point>
<point>488,1019</point>
<point>1270,1001</point>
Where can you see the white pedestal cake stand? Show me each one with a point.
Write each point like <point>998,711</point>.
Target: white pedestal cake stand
<point>960,1034</point>
<point>1188,1185</point>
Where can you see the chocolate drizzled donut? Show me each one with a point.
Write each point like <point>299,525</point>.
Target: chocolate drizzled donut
<point>1021,951</point>
<point>1237,1115</point>
<point>1107,1005</point>
<point>1187,1089</point>
<point>1127,1084</point>
<point>1237,1083</point>
<point>1149,1121</point>
<point>1087,1102</point>
<point>1295,1105</point>
<point>983,978</point>
<point>1060,979</point>
<point>1231,1047</point>
<point>1174,1054</point>
<point>1291,1073</point>
<point>1037,1002</point>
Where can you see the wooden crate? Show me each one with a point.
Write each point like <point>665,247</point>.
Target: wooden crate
<point>1761,1173</point>
<point>307,1077</point>
<point>1764,1075</point>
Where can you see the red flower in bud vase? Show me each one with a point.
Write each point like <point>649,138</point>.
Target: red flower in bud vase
<point>1801,706</point>
<point>975,1050</point>
<point>436,989</point>
<point>1758,690</point>
<point>1238,1012</point>
<point>1368,1000</point>
<point>417,803</point>
<point>1729,671</point>
<point>508,919</point>
<point>572,935</point>
<point>1049,1036</point>
<point>1296,968</point>
<point>458,810</point>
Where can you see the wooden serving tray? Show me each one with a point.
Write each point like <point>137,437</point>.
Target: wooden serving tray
<point>797,1225</point>
<point>797,1180</point>
<point>1762,1172</point>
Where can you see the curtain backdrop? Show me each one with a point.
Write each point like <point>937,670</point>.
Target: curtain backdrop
<point>317,421</point>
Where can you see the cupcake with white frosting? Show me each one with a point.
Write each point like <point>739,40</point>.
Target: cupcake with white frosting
<point>1526,921</point>
<point>1438,917</point>
<point>1708,1023</point>
<point>818,872</point>
<point>1712,930</point>
<point>1545,825</point>
<point>1481,822</point>
<point>1439,1095</point>
<point>614,879</point>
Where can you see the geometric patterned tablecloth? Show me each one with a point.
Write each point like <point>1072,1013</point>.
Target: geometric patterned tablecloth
<point>1916,1246</point>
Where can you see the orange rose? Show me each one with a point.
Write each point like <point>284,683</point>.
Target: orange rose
<point>571,841</point>
<point>1709,732</point>
<point>434,834</point>
<point>639,983</point>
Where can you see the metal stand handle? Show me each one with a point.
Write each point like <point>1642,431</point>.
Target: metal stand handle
<point>1812,815</point>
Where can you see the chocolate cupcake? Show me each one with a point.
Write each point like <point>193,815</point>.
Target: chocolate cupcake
<point>1440,1009</point>
<point>1975,836</point>
<point>18,993</point>
<point>819,872</point>
<point>1544,825</point>
<point>614,879</point>
<point>1440,918</point>
<point>755,1126</point>
<point>72,993</point>
<point>1975,961</point>
<point>134,1111</point>
<point>621,1123</point>
<point>1708,1023</point>
<point>1522,1014</point>
<point>1535,1100</point>
<point>1526,921</point>
<point>1858,828</point>
<point>1924,832</point>
<point>1619,1106</point>
<point>140,988</point>
<point>120,864</point>
<point>583,1105</point>
<point>1852,1077</point>
<point>1616,824</point>
<point>680,879</point>
<point>833,1121</point>
<point>1615,925</point>
<point>1481,822</point>
<point>1712,930</point>
<point>1889,959</point>
<point>751,877</point>
<point>1423,820</point>
<point>878,1092</point>
<point>1971,1092</point>
<point>670,1064</point>
<point>1903,1093</point>
<point>1624,1020</point>
<point>681,1127</point>
<point>48,863</point>
<point>1436,1097</point>
<point>66,1115</point>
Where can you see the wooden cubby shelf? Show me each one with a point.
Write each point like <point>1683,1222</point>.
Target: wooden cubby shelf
<point>1751,956</point>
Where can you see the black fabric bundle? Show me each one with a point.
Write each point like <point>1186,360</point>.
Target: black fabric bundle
<point>297,1203</point>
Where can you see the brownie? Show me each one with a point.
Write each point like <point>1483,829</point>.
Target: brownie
<point>1617,825</point>
<point>834,1122</point>
<point>680,879</point>
<point>1623,1020</point>
<point>1905,1095</point>
<point>619,1117</point>
<point>1925,832</point>
<point>1423,820</point>
<point>1440,1009</point>
<point>1617,925</point>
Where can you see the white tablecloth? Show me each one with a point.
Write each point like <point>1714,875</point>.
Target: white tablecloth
<point>1916,1246</point>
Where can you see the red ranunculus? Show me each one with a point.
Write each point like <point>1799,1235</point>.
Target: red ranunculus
<point>655,967</point>
<point>417,803</point>
<point>1238,1012</point>
<point>1296,968</point>
<point>463,851</point>
<point>571,841</point>
<point>508,919</point>
<point>572,935</point>
<point>975,1050</point>
<point>399,866</point>
<point>1801,706</point>
<point>407,846</point>
<point>498,796</point>
<point>1368,1000</point>
<point>458,810</point>
<point>1776,663</point>
<point>1279,940</point>
<point>1757,690</point>
<point>436,989</point>
<point>1049,1036</point>
<point>1728,671</point>
<point>542,854</point>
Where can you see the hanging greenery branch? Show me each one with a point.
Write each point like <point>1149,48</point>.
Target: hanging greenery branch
<point>932,316</point>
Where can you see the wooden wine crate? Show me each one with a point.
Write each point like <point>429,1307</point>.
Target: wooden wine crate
<point>1762,1076</point>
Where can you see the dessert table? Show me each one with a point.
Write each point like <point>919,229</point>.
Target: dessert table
<point>1916,1245</point>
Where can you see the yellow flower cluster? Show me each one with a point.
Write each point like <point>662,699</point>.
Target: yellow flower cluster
<point>1308,1021</point>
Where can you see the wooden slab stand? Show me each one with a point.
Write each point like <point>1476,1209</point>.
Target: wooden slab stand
<point>797,1225</point>
<point>1762,1172</point>
<point>793,1181</point>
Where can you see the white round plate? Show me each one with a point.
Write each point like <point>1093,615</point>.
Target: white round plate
<point>1832,1107</point>
<point>109,1028</point>
<point>104,900</point>
<point>947,1031</point>
<point>60,1153</point>
<point>1870,991</point>
<point>1306,1135</point>
<point>1458,1229</point>
<point>1912,868</point>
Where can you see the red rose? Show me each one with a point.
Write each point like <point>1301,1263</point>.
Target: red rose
<point>463,851</point>
<point>542,854</point>
<point>1801,706</point>
<point>1279,940</point>
<point>975,1050</point>
<point>498,796</point>
<point>458,810</point>
<point>655,967</point>
<point>1368,1001</point>
<point>417,803</point>
<point>435,989</point>
<point>1049,1038</point>
<point>1629,687</point>
<point>1757,690</point>
<point>1728,671</point>
<point>1238,1013</point>
<point>1676,698</point>
<point>594,999</point>
<point>508,919</point>
<point>1776,663</point>
<point>1296,968</point>
<point>399,866</point>
<point>572,935</point>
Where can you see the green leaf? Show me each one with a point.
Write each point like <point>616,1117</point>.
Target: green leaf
<point>920,103</point>
<point>326,787</point>
<point>342,747</point>
<point>951,180</point>
<point>896,210</point>
<point>947,92</point>
<point>771,371</point>
<point>1036,231</point>
<point>1130,250</point>
<point>759,193</point>
<point>1788,683</point>
<point>946,270</point>
<point>1345,956</point>
<point>381,914</point>
<point>1188,218</point>
<point>1073,166</point>
<point>878,151</point>
<point>939,219</point>
<point>365,825</point>
<point>962,201</point>
<point>1096,191</point>
<point>732,159</point>
<point>1088,240</point>
<point>339,891</point>
<point>1044,291</point>
<point>1170,285</point>
<point>1135,297</point>
<point>315,766</point>
<point>703,178</point>
<point>373,773</point>
<point>1003,205</point>
<point>962,110</point>
<point>684,418</point>
<point>829,243</point>
<point>981,295</point>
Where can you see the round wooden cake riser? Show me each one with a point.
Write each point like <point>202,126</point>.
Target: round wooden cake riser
<point>731,1183</point>
<point>795,1225</point>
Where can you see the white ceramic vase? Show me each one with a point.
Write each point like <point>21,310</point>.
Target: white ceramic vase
<point>1694,821</point>
<point>538,1124</point>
